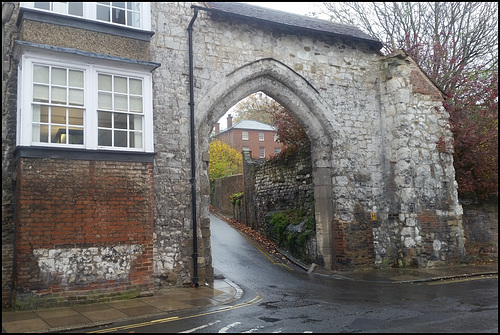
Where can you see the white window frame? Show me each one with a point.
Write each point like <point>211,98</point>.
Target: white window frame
<point>262,152</point>
<point>90,10</point>
<point>261,136</point>
<point>91,68</point>
<point>244,135</point>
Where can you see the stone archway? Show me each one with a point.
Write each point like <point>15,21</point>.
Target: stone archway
<point>300,98</point>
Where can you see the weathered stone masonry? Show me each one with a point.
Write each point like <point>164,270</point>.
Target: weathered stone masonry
<point>373,122</point>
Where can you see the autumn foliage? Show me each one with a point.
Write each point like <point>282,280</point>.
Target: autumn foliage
<point>224,160</point>
<point>474,123</point>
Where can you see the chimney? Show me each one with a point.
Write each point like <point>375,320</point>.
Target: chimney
<point>217,128</point>
<point>229,121</point>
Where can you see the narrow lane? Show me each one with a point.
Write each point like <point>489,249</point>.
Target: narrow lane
<point>281,298</point>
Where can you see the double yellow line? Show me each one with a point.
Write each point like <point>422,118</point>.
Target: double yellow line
<point>255,300</point>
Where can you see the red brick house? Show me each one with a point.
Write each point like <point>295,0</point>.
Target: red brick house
<point>258,137</point>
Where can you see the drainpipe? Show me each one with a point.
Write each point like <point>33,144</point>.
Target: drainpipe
<point>193,158</point>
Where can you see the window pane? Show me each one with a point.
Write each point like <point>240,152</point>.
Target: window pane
<point>134,6</point>
<point>121,102</point>
<point>136,139</point>
<point>136,104</point>
<point>135,86</point>
<point>104,83</point>
<point>58,76</point>
<point>75,136</point>
<point>58,115</point>
<point>75,8</point>
<point>120,85</point>
<point>76,78</point>
<point>44,114</point>
<point>120,138</point>
<point>118,16</point>
<point>60,7</point>
<point>135,122</point>
<point>104,137</point>
<point>58,95</point>
<point>75,116</point>
<point>42,5</point>
<point>120,121</point>
<point>58,134</point>
<point>40,93</point>
<point>40,133</point>
<point>102,13</point>
<point>75,97</point>
<point>41,74</point>
<point>104,119</point>
<point>104,101</point>
<point>133,19</point>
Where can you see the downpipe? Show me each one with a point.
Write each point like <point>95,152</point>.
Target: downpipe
<point>193,153</point>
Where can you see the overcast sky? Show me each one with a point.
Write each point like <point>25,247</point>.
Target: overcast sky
<point>292,7</point>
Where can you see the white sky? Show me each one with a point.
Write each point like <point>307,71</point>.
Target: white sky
<point>302,8</point>
<point>292,7</point>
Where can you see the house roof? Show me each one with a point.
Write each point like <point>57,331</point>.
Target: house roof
<point>249,125</point>
<point>252,125</point>
<point>292,20</point>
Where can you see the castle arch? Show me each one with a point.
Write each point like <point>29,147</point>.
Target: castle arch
<point>300,98</point>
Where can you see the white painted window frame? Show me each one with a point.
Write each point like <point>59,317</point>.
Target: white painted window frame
<point>91,68</point>
<point>244,135</point>
<point>261,136</point>
<point>89,13</point>
<point>262,152</point>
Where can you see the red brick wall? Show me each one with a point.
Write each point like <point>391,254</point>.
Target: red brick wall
<point>64,204</point>
<point>353,241</point>
<point>421,84</point>
<point>233,138</point>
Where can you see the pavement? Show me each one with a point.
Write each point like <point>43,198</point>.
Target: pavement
<point>223,291</point>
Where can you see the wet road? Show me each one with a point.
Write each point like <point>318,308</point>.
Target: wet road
<point>279,298</point>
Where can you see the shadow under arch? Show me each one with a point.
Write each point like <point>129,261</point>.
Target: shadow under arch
<point>299,97</point>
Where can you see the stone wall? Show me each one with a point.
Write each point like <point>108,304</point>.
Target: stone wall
<point>223,189</point>
<point>481,229</point>
<point>278,185</point>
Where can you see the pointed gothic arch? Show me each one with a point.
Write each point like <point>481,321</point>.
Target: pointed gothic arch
<point>300,98</point>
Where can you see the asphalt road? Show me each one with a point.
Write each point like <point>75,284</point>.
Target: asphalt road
<point>282,298</point>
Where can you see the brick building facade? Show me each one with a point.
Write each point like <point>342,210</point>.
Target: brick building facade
<point>248,135</point>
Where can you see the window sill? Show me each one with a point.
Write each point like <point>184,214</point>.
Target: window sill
<point>83,154</point>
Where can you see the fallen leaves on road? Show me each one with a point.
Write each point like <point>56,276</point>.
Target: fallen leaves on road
<point>269,246</point>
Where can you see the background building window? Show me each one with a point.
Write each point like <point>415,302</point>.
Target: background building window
<point>244,135</point>
<point>261,136</point>
<point>262,152</point>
